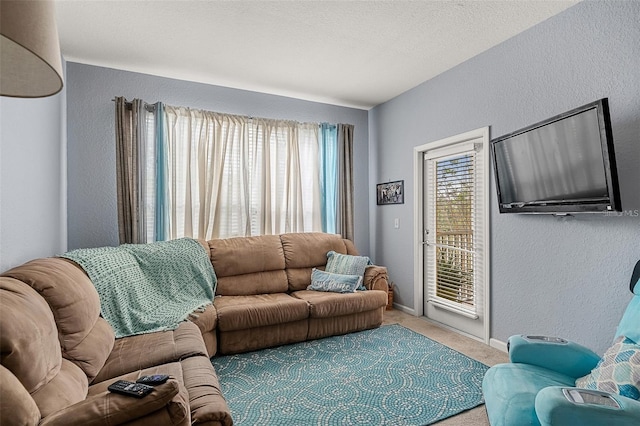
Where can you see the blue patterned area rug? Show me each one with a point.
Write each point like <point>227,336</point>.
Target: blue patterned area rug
<point>386,376</point>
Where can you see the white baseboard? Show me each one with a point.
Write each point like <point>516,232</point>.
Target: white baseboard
<point>455,330</point>
<point>498,344</point>
<point>404,309</point>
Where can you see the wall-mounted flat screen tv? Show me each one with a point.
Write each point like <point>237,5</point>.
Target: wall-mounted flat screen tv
<point>565,164</point>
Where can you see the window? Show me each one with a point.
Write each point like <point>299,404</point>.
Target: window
<point>454,248</point>
<point>235,176</point>
<point>455,209</point>
<point>183,172</point>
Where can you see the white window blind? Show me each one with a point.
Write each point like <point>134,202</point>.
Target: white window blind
<point>236,176</point>
<point>149,194</point>
<point>455,237</point>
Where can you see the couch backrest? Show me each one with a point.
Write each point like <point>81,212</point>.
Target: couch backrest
<point>272,263</point>
<point>305,251</point>
<point>31,353</point>
<point>16,405</point>
<point>85,338</point>
<point>248,265</point>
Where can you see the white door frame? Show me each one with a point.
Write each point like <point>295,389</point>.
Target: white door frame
<point>418,218</point>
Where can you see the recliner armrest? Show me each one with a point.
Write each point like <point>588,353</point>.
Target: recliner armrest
<point>553,408</point>
<point>563,357</point>
<point>108,408</point>
<point>376,278</point>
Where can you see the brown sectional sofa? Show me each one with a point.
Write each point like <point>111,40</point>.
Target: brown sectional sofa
<point>58,354</point>
<point>261,297</point>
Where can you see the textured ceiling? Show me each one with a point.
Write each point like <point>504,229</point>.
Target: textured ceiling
<point>352,53</point>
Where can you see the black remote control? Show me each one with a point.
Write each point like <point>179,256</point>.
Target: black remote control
<point>124,387</point>
<point>156,379</point>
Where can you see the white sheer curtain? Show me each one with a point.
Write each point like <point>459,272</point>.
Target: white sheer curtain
<point>236,176</point>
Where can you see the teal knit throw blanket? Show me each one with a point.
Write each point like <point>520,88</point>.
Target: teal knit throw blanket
<point>145,288</point>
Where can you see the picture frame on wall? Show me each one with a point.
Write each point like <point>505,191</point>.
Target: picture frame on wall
<point>390,192</point>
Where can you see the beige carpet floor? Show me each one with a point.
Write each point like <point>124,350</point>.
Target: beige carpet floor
<point>470,347</point>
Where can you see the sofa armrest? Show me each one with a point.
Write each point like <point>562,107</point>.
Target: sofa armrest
<point>562,356</point>
<point>108,408</point>
<point>376,278</point>
<point>553,408</point>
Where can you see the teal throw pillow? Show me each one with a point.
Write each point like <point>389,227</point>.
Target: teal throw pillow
<point>337,283</point>
<point>618,371</point>
<point>347,264</point>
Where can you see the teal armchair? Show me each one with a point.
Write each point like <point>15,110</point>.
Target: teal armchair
<point>538,387</point>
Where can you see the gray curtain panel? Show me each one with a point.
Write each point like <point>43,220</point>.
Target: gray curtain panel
<point>345,178</point>
<point>130,148</point>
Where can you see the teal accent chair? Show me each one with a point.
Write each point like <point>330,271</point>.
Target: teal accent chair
<point>538,386</point>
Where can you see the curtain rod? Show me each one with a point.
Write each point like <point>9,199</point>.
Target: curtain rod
<point>152,108</point>
<point>129,105</point>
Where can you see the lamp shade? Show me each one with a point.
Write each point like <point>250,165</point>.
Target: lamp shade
<point>30,62</point>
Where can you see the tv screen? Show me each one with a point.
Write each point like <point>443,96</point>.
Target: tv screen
<point>565,164</point>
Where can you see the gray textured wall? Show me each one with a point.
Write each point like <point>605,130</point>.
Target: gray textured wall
<point>548,276</point>
<point>92,210</point>
<point>32,179</point>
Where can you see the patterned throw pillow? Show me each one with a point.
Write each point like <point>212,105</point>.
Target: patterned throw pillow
<point>347,265</point>
<point>617,372</point>
<point>337,283</point>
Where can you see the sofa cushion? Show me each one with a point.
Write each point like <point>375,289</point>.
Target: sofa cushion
<point>305,251</point>
<point>150,350</point>
<point>86,339</point>
<point>618,371</point>
<point>299,279</point>
<point>309,249</point>
<point>28,343</point>
<point>66,388</point>
<point>324,304</point>
<point>245,255</point>
<point>346,264</point>
<point>254,283</point>
<point>337,283</point>
<point>16,405</point>
<point>31,351</point>
<point>242,312</point>
<point>248,265</point>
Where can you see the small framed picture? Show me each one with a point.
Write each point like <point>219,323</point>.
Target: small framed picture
<point>390,193</point>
